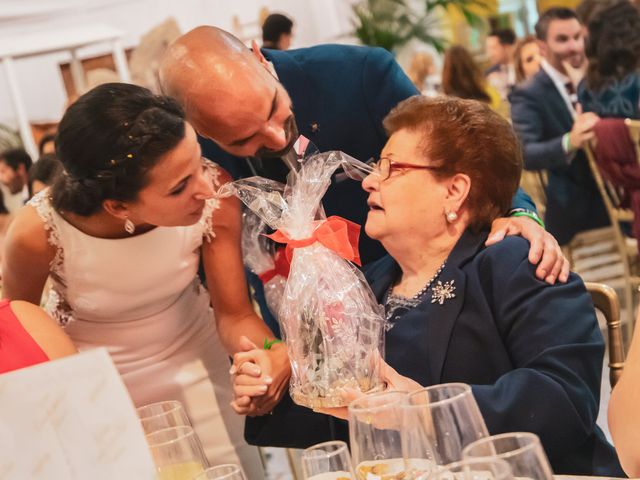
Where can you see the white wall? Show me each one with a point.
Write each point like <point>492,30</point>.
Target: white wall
<point>317,21</point>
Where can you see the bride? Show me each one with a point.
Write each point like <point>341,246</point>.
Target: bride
<point>121,234</point>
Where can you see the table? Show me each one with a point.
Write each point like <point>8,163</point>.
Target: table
<point>45,42</point>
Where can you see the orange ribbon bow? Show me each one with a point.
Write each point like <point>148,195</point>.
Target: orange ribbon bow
<point>335,233</point>
<point>281,266</point>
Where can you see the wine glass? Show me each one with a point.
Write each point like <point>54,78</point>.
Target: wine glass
<point>227,471</point>
<point>521,450</point>
<point>177,453</point>
<point>327,461</point>
<point>375,423</point>
<point>160,415</point>
<point>471,469</point>
<point>438,422</point>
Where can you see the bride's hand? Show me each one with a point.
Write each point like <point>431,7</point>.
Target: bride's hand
<point>259,377</point>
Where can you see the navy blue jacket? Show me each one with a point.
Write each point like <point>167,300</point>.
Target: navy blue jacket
<point>532,353</point>
<point>541,117</point>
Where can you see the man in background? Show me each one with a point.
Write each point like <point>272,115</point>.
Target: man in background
<point>277,32</point>
<point>14,180</point>
<point>553,129</point>
<point>501,75</point>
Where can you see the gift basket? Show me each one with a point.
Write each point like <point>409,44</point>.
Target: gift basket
<point>261,257</point>
<point>331,321</point>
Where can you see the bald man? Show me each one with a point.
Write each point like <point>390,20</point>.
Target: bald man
<point>249,107</point>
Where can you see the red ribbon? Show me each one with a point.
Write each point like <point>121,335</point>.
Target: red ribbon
<point>335,233</point>
<point>282,265</point>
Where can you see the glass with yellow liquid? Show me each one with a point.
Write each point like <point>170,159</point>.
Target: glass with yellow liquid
<point>177,453</point>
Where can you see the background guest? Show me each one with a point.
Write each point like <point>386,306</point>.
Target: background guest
<point>44,173</point>
<point>14,168</point>
<point>47,144</point>
<point>28,336</point>
<point>277,32</point>
<point>420,69</point>
<point>526,58</point>
<point>611,86</point>
<point>501,75</point>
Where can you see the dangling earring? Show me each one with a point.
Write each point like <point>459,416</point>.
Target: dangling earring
<point>451,217</point>
<point>129,226</point>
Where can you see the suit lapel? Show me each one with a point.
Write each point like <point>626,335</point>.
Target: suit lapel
<point>555,100</point>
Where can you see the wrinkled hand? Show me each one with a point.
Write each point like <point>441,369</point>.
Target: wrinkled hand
<point>393,381</point>
<point>544,252</point>
<point>259,377</point>
<point>582,130</point>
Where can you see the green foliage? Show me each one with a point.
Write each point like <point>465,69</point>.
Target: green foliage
<point>392,23</point>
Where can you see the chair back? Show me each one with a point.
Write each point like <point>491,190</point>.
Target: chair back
<point>605,299</point>
<point>634,132</point>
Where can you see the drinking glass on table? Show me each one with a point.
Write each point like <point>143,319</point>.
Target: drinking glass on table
<point>160,415</point>
<point>471,469</point>
<point>227,471</point>
<point>177,453</point>
<point>438,422</point>
<point>375,422</point>
<point>521,450</point>
<point>327,461</point>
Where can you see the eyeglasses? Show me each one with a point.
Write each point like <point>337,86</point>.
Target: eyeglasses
<point>385,166</point>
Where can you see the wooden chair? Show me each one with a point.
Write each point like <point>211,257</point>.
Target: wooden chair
<point>605,299</point>
<point>627,248</point>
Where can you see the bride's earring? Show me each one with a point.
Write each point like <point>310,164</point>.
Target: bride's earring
<point>451,217</point>
<point>129,226</point>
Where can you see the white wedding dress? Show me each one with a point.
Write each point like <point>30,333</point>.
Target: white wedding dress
<point>141,298</point>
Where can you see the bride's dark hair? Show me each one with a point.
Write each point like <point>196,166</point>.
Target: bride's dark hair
<point>108,140</point>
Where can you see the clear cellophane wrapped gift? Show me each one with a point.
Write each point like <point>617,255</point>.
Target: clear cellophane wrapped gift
<point>261,257</point>
<point>330,319</point>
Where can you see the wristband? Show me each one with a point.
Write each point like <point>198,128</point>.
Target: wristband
<point>270,343</point>
<point>523,212</point>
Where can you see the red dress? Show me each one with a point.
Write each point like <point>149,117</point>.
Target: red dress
<point>17,348</point>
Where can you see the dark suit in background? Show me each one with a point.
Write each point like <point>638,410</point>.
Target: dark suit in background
<point>541,117</point>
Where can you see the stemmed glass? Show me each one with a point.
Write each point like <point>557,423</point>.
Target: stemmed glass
<point>228,471</point>
<point>375,423</point>
<point>521,450</point>
<point>177,453</point>
<point>438,422</point>
<point>327,461</point>
<point>160,415</point>
<point>472,469</point>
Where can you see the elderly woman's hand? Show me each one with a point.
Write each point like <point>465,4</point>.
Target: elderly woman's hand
<point>259,377</point>
<point>544,252</point>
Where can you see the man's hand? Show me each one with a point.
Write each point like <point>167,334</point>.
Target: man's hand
<point>259,377</point>
<point>575,74</point>
<point>544,252</point>
<point>582,130</point>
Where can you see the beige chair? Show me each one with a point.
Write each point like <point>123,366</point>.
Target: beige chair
<point>627,248</point>
<point>605,300</point>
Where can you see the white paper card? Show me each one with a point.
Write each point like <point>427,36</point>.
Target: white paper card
<point>71,418</point>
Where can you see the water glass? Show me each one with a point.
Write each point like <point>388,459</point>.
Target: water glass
<point>161,415</point>
<point>438,422</point>
<point>522,451</point>
<point>327,461</point>
<point>471,469</point>
<point>177,453</point>
<point>228,471</point>
<point>375,423</point>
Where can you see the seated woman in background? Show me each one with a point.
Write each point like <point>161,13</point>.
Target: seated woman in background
<point>28,336</point>
<point>462,78</point>
<point>43,173</point>
<point>460,311</point>
<point>611,87</point>
<point>526,58</point>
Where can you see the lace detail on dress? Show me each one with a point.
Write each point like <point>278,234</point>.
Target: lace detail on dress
<point>56,305</point>
<point>213,203</point>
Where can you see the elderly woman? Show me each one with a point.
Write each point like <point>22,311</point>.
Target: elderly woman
<point>459,311</point>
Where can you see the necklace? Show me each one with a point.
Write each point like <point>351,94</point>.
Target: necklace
<point>397,305</point>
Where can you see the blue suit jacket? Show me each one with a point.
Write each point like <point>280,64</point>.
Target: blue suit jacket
<point>532,352</point>
<point>541,118</point>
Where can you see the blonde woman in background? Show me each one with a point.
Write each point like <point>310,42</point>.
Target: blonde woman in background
<point>526,58</point>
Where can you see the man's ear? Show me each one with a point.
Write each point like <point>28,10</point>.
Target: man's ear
<point>259,56</point>
<point>116,208</point>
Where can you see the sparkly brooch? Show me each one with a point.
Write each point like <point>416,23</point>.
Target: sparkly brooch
<point>441,292</point>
